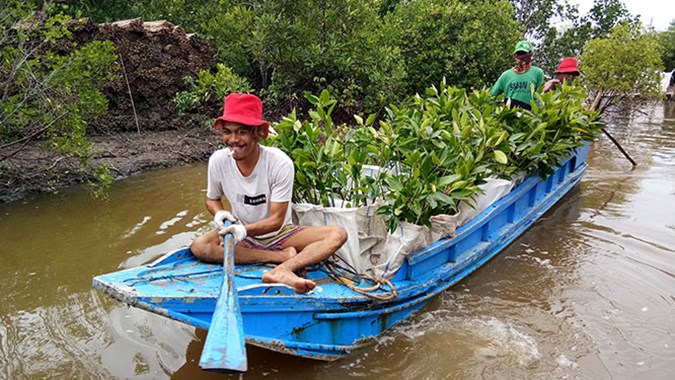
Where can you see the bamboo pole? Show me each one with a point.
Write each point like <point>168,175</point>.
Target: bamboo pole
<point>133,106</point>
<point>594,106</point>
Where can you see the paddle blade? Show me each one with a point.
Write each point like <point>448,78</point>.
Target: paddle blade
<point>225,347</point>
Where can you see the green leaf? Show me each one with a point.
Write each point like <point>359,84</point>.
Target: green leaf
<point>500,157</point>
<point>394,183</point>
<point>445,181</point>
<point>325,97</point>
<point>443,198</point>
<point>312,99</point>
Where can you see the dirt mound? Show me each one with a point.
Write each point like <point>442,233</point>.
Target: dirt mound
<point>154,57</point>
<point>142,129</point>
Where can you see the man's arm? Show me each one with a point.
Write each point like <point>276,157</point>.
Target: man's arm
<point>270,224</point>
<point>213,205</point>
<point>497,88</point>
<point>550,85</point>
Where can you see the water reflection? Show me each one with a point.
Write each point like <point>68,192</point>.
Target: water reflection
<point>144,345</point>
<point>587,292</point>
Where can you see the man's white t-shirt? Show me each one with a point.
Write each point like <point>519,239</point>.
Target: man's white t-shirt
<point>251,197</point>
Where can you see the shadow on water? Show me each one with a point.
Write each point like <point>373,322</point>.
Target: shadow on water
<point>587,292</point>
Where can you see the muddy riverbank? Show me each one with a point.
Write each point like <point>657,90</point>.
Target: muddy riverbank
<point>36,170</point>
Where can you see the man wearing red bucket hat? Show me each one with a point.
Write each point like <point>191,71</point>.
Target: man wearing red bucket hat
<point>567,71</point>
<point>257,181</point>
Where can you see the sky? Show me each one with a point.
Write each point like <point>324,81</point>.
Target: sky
<point>658,13</point>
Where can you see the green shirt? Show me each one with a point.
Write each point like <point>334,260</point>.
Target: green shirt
<point>519,86</point>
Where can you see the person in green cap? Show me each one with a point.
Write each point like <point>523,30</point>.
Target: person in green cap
<point>519,83</point>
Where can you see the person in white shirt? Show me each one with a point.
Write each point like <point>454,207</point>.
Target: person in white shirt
<point>257,182</point>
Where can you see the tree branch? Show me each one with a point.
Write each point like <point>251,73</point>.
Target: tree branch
<point>28,139</point>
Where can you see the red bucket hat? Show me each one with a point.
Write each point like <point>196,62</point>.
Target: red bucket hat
<point>243,109</point>
<point>568,65</point>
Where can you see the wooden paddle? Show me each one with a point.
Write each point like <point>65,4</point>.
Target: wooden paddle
<point>224,349</point>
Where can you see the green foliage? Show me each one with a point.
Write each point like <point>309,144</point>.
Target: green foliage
<point>103,182</point>
<point>287,48</point>
<point>536,15</point>
<point>543,20</point>
<point>440,152</point>
<point>48,95</point>
<point>624,65</point>
<point>558,123</point>
<point>464,42</point>
<point>101,10</point>
<point>181,12</point>
<point>209,86</point>
<point>606,14</point>
<point>328,158</point>
<point>667,40</point>
<point>329,44</point>
<point>432,151</point>
<point>370,54</point>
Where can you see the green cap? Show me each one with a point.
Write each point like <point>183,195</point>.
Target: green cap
<point>523,45</point>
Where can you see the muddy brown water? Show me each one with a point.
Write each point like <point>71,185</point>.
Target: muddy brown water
<point>588,292</point>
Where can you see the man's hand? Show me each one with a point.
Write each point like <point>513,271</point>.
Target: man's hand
<point>221,216</point>
<point>238,231</point>
<point>550,85</point>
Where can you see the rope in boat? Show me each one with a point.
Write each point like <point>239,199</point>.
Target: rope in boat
<point>337,272</point>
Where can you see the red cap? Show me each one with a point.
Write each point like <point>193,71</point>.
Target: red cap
<point>243,109</point>
<point>568,65</point>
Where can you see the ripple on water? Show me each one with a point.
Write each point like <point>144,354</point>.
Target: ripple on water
<point>60,341</point>
<point>132,231</point>
<point>169,223</point>
<point>432,343</point>
<point>501,339</point>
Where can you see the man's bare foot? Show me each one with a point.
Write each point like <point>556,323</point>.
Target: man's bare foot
<point>280,275</point>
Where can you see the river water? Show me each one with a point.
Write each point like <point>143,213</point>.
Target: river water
<point>588,292</point>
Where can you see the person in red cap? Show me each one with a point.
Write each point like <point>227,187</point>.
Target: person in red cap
<point>257,181</point>
<point>567,71</point>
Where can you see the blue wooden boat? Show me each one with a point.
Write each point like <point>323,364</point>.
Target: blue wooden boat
<point>335,320</point>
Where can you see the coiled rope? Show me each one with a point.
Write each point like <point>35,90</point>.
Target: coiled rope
<point>348,276</point>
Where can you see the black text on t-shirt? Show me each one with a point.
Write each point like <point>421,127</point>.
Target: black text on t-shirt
<point>255,200</point>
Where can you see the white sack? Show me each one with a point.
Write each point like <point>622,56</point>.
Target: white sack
<point>364,229</point>
<point>370,249</point>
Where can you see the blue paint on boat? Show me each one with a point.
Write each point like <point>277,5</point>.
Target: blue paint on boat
<point>333,320</point>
